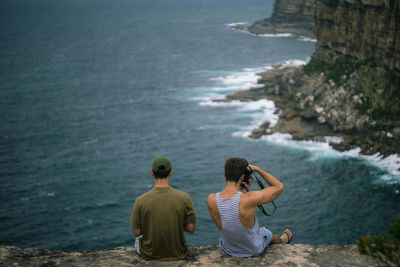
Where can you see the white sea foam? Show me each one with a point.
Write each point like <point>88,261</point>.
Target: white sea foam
<point>275,35</point>
<point>262,110</point>
<point>390,164</point>
<point>293,63</point>
<point>307,39</point>
<point>236,24</point>
<point>269,35</point>
<point>289,35</point>
<point>212,103</point>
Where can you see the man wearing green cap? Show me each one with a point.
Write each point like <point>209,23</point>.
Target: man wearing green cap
<point>161,215</point>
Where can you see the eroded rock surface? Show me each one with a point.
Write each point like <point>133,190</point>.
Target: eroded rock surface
<point>289,16</point>
<point>275,255</point>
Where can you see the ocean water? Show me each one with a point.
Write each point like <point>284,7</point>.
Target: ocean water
<point>92,90</point>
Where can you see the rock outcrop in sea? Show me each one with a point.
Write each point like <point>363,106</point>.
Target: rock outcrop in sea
<point>275,255</point>
<point>289,16</point>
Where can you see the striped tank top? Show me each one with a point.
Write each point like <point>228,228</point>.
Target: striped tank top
<point>235,239</point>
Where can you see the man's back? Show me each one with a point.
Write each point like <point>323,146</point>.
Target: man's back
<point>234,212</point>
<point>236,239</point>
<point>161,214</point>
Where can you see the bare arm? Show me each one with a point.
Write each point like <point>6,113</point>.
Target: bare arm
<point>213,210</point>
<point>189,227</point>
<point>267,194</point>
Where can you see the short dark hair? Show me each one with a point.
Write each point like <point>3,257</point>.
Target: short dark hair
<point>161,174</point>
<point>234,168</point>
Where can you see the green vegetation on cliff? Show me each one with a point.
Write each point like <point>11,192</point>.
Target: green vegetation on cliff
<point>387,245</point>
<point>378,89</point>
<point>382,93</point>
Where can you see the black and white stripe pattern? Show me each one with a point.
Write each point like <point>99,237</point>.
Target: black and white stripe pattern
<point>235,239</point>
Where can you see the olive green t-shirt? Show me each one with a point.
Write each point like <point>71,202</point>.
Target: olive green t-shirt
<point>161,215</point>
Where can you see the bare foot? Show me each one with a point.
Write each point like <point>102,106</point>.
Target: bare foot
<point>286,236</point>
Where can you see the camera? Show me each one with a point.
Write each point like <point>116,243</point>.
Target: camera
<point>247,175</point>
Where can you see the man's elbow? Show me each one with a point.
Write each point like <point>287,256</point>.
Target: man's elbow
<point>190,228</point>
<point>282,187</point>
<point>137,232</point>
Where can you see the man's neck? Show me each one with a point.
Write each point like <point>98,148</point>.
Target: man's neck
<point>231,188</point>
<point>161,182</point>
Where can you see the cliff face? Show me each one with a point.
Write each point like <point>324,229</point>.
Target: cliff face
<point>359,29</point>
<point>289,16</point>
<point>292,11</point>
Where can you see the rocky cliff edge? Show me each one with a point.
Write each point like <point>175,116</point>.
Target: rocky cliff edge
<point>275,255</point>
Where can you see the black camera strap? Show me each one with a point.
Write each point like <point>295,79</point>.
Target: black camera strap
<point>261,185</point>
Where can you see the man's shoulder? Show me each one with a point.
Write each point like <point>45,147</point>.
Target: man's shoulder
<point>179,193</point>
<point>144,195</point>
<point>212,200</point>
<point>212,197</point>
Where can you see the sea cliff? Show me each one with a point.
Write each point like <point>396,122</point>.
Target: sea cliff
<point>275,255</point>
<point>289,16</point>
<point>351,86</point>
<point>360,30</point>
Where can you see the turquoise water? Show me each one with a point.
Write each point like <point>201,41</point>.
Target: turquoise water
<point>91,91</point>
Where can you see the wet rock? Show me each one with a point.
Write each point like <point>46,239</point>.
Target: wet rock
<point>396,133</point>
<point>260,131</point>
<point>362,125</point>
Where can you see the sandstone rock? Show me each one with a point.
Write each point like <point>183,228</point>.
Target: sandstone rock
<point>373,2</point>
<point>318,109</point>
<point>311,113</point>
<point>358,29</point>
<point>289,16</point>
<point>321,119</point>
<point>396,133</point>
<point>260,131</point>
<point>275,255</point>
<point>362,125</point>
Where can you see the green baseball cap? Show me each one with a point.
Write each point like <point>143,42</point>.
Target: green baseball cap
<point>161,164</point>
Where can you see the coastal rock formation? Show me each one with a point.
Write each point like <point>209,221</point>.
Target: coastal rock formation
<point>359,29</point>
<point>275,255</point>
<point>289,16</point>
<point>351,84</point>
<point>312,108</point>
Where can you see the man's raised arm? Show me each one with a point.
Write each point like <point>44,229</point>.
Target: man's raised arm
<point>269,193</point>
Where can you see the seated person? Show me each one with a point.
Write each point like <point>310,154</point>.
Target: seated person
<point>160,217</point>
<point>234,212</point>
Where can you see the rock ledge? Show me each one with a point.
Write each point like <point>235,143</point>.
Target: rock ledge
<point>275,255</point>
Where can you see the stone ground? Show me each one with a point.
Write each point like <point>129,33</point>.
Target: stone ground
<point>275,255</point>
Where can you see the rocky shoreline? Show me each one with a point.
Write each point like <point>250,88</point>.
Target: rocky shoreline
<point>313,109</point>
<point>275,255</point>
<point>268,27</point>
<point>289,16</point>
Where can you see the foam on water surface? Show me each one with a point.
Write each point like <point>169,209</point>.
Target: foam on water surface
<point>269,35</point>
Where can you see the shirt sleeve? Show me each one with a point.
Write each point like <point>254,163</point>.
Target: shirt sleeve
<point>190,215</point>
<point>135,217</point>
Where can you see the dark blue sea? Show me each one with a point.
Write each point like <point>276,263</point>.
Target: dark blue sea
<point>92,90</point>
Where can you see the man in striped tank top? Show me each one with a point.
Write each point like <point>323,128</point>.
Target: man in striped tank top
<point>234,212</point>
